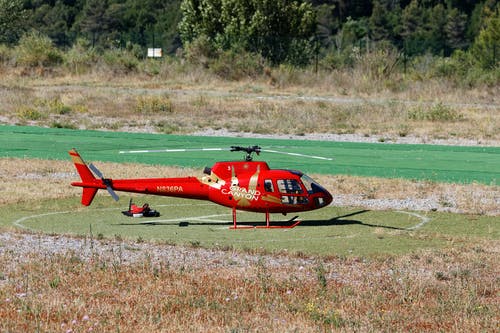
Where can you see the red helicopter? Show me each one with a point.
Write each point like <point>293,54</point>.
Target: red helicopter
<point>240,185</point>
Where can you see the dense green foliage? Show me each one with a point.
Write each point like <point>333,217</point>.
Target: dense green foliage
<point>280,30</point>
<point>246,34</point>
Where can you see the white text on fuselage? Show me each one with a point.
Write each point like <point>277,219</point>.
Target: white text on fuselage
<point>169,189</point>
<point>241,193</point>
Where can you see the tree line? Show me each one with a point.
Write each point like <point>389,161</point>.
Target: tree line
<point>297,32</point>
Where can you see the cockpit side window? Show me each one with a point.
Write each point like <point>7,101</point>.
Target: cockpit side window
<point>268,185</point>
<point>289,186</point>
<point>294,199</point>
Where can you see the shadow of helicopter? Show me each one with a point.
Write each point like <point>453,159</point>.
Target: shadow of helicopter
<point>334,221</point>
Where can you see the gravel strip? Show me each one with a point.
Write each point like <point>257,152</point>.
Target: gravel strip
<point>433,203</point>
<point>351,138</point>
<point>20,245</point>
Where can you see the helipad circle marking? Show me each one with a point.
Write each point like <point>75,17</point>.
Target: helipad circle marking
<point>204,218</point>
<point>19,222</point>
<point>424,219</point>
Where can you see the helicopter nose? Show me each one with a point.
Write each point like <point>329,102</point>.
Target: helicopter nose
<point>322,196</point>
<point>324,199</point>
<point>328,198</point>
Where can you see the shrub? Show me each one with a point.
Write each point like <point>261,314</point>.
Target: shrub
<point>200,51</point>
<point>379,63</point>
<point>52,106</point>
<point>120,60</point>
<point>235,65</point>
<point>80,58</point>
<point>28,113</point>
<point>153,104</point>
<point>5,54</point>
<point>57,124</point>
<point>37,50</point>
<point>437,112</point>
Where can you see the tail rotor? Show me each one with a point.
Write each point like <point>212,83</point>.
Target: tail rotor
<point>106,181</point>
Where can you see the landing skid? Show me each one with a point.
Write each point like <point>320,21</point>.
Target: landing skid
<point>267,226</point>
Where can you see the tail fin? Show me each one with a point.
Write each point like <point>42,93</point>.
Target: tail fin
<point>83,170</point>
<point>87,177</point>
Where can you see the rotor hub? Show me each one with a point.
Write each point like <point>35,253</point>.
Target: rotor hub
<point>248,150</point>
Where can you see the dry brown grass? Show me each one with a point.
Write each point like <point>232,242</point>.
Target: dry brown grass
<point>27,180</point>
<point>455,290</point>
<point>303,103</point>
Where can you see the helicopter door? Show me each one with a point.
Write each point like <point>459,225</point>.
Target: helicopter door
<point>291,192</point>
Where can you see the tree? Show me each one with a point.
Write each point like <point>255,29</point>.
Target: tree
<point>13,19</point>
<point>379,28</point>
<point>435,30</point>
<point>152,22</point>
<point>412,32</point>
<point>54,21</point>
<point>272,28</point>
<point>327,24</point>
<point>93,19</point>
<point>385,20</point>
<point>486,48</point>
<point>455,29</point>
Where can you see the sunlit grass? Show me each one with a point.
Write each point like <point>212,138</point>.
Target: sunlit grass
<point>330,231</point>
<point>361,273</point>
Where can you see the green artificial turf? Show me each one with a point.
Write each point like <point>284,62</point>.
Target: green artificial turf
<point>424,162</point>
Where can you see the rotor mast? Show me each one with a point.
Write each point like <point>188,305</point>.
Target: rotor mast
<point>248,150</point>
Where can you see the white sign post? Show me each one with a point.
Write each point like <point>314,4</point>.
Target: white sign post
<point>154,52</point>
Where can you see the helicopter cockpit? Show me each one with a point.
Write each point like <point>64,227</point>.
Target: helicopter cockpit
<point>299,191</point>
<point>313,188</point>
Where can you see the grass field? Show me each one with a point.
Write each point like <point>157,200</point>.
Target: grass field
<point>342,269</point>
<point>331,231</point>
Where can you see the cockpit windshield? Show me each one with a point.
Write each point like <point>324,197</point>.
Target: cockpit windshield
<point>308,183</point>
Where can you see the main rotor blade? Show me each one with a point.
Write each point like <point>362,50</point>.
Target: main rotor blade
<point>299,155</point>
<point>145,151</point>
